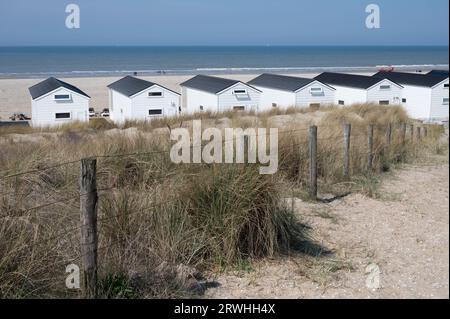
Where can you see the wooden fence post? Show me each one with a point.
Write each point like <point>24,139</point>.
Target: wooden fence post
<point>313,161</point>
<point>388,137</point>
<point>370,147</point>
<point>403,133</point>
<point>387,147</point>
<point>246,149</point>
<point>88,218</point>
<point>418,133</point>
<point>412,132</point>
<point>425,131</point>
<point>347,133</point>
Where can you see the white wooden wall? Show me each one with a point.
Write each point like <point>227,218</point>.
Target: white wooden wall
<point>119,107</point>
<point>283,99</point>
<point>142,103</point>
<point>349,95</point>
<point>393,95</point>
<point>136,108</point>
<point>418,101</point>
<point>228,100</point>
<point>439,110</point>
<point>195,98</point>
<point>44,108</point>
<point>304,98</point>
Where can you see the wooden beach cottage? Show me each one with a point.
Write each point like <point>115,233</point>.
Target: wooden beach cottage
<point>279,91</point>
<point>208,93</point>
<point>133,99</point>
<point>424,96</point>
<point>355,89</point>
<point>54,103</point>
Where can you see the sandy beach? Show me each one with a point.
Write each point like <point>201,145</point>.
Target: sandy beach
<point>15,98</point>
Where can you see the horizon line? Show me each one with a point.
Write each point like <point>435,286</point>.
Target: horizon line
<point>227,45</point>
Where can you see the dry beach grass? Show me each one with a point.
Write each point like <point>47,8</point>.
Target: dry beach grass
<point>163,226</point>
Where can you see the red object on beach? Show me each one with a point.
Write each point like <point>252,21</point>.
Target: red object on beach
<point>387,69</point>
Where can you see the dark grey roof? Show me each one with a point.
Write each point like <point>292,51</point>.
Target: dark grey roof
<point>443,73</point>
<point>210,84</point>
<point>130,86</point>
<point>281,82</point>
<point>50,85</point>
<point>411,78</point>
<point>348,80</point>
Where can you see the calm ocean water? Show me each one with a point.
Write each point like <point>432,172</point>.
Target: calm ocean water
<point>97,61</point>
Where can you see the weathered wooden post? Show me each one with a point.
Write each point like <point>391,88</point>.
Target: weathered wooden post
<point>88,218</point>
<point>419,133</point>
<point>246,149</point>
<point>403,133</point>
<point>388,136</point>
<point>347,133</point>
<point>425,131</point>
<point>387,143</point>
<point>313,161</point>
<point>411,127</point>
<point>370,147</point>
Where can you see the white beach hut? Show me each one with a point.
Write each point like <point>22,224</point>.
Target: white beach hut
<point>131,98</point>
<point>54,102</point>
<point>214,94</point>
<point>425,97</point>
<point>288,91</point>
<point>354,89</point>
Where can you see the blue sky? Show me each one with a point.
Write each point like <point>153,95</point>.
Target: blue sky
<point>224,22</point>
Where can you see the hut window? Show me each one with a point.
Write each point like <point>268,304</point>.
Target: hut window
<point>385,87</point>
<point>316,91</point>
<point>403,100</point>
<point>340,102</point>
<point>445,101</point>
<point>239,108</point>
<point>155,112</point>
<point>62,97</point>
<point>62,116</point>
<point>384,102</point>
<point>274,105</point>
<point>240,92</point>
<point>446,86</point>
<point>155,94</point>
<point>314,106</point>
<point>201,107</point>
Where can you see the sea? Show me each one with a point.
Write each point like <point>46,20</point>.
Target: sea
<point>30,62</point>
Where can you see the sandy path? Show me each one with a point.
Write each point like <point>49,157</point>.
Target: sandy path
<point>405,234</point>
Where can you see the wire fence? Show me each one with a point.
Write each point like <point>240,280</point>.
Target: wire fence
<point>36,194</point>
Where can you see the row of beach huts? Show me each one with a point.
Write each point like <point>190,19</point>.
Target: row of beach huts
<point>424,96</point>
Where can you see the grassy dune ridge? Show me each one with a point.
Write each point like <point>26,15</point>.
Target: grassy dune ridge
<point>159,220</point>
